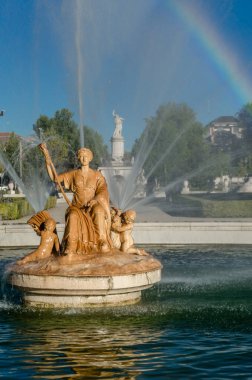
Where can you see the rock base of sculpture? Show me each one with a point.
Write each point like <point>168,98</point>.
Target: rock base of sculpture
<point>109,279</point>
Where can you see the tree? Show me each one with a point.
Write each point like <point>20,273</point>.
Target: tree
<point>245,118</point>
<point>245,121</point>
<point>11,149</point>
<point>94,141</point>
<point>173,145</point>
<point>62,136</point>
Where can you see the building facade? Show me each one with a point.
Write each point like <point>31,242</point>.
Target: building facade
<point>224,130</point>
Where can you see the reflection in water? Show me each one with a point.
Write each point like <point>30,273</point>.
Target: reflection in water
<point>68,347</point>
<point>196,324</point>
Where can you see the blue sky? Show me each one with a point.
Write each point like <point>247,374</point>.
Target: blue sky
<point>131,56</point>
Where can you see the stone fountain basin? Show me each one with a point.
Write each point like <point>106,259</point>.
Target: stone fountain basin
<point>110,279</point>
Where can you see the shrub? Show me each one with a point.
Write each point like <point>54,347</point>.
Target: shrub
<point>16,208</point>
<point>214,207</point>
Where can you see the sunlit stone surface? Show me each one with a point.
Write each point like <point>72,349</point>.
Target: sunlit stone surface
<point>99,280</point>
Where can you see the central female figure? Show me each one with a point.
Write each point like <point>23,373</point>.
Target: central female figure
<point>87,220</point>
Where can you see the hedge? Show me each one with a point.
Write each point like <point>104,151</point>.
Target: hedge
<point>16,208</point>
<point>197,206</point>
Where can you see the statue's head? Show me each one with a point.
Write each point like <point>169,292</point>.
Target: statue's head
<point>129,215</point>
<point>50,224</point>
<point>36,228</point>
<point>85,151</point>
<point>112,212</point>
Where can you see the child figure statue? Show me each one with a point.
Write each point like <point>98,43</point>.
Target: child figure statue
<point>116,221</point>
<point>49,242</point>
<point>125,227</point>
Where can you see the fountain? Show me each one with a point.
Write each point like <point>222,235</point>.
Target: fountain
<point>88,268</point>
<point>31,182</point>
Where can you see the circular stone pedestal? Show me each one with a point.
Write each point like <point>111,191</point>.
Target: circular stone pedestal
<point>97,280</point>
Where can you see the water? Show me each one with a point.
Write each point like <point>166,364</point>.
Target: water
<point>33,182</point>
<point>197,323</point>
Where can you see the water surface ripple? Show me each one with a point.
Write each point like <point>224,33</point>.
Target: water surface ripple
<point>196,323</point>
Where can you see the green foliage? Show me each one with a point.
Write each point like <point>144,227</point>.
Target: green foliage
<point>196,206</point>
<point>245,117</point>
<point>245,121</point>
<point>1,168</point>
<point>9,211</point>
<point>61,134</point>
<point>227,209</point>
<point>174,140</point>
<point>94,141</point>
<point>51,202</point>
<point>16,208</point>
<point>11,149</point>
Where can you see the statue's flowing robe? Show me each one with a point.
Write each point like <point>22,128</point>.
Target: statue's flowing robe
<point>83,227</point>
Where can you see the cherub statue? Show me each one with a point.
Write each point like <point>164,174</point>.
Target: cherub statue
<point>116,222</point>
<point>125,230</point>
<point>37,221</point>
<point>49,242</point>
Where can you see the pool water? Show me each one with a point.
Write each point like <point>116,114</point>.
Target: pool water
<point>196,323</point>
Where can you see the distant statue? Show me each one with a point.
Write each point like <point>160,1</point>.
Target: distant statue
<point>87,219</point>
<point>49,242</point>
<point>11,187</point>
<point>157,185</point>
<point>186,188</point>
<point>226,183</point>
<point>141,180</point>
<point>118,125</point>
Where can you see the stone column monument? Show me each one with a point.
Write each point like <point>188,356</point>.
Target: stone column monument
<point>117,140</point>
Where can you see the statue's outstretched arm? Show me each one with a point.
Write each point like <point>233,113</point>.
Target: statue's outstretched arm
<point>48,161</point>
<point>52,172</point>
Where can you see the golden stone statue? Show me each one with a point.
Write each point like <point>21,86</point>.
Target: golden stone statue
<point>97,263</point>
<point>49,242</point>
<point>87,218</point>
<point>122,225</point>
<point>91,226</point>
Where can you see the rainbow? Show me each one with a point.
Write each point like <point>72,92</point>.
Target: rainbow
<point>226,60</point>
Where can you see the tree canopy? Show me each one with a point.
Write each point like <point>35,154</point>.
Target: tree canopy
<point>10,148</point>
<point>245,122</point>
<point>173,145</point>
<point>61,134</point>
<point>171,148</point>
<point>245,117</point>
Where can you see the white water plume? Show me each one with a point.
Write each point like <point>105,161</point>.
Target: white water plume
<point>128,191</point>
<point>34,187</point>
<point>179,180</point>
<point>145,150</point>
<point>79,71</point>
<point>168,151</point>
<point>193,173</point>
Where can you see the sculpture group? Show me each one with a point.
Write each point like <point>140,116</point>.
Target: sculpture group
<point>96,263</point>
<point>92,225</point>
